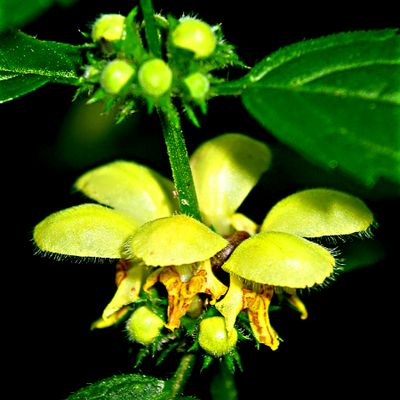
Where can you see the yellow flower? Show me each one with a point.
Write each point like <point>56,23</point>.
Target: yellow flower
<point>136,223</point>
<point>280,258</point>
<point>277,257</point>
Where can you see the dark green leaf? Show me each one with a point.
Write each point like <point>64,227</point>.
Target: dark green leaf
<point>125,387</point>
<point>336,100</point>
<point>27,63</point>
<point>14,13</point>
<point>122,387</point>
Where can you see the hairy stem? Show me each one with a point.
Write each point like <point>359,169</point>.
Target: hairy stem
<point>179,160</point>
<point>177,382</point>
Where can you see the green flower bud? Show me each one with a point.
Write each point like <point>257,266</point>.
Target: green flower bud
<point>116,75</point>
<point>214,338</point>
<point>155,77</point>
<point>109,27</point>
<point>90,72</point>
<point>144,326</point>
<point>198,85</point>
<point>196,36</point>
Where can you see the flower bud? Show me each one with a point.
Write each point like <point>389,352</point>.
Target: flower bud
<point>198,85</point>
<point>116,75</point>
<point>196,36</point>
<point>155,77</point>
<point>144,326</point>
<point>109,27</point>
<point>214,338</point>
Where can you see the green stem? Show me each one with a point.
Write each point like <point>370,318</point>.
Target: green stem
<point>223,384</point>
<point>177,382</point>
<point>179,160</point>
<point>150,27</point>
<point>231,88</point>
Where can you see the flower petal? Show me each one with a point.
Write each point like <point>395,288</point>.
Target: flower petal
<point>182,293</point>
<point>294,300</point>
<point>319,212</point>
<point>225,169</point>
<point>130,188</point>
<point>212,286</point>
<point>87,230</point>
<point>113,319</point>
<point>257,304</point>
<point>242,223</point>
<point>280,259</point>
<point>174,240</point>
<point>231,305</point>
<point>130,279</point>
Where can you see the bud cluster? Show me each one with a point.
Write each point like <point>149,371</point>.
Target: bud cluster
<point>122,70</point>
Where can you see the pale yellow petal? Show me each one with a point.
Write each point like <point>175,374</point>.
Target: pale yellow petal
<point>87,230</point>
<point>213,286</point>
<point>281,259</point>
<point>174,240</point>
<point>128,289</point>
<point>131,188</point>
<point>113,319</point>
<point>242,223</point>
<point>319,212</point>
<point>225,169</point>
<point>231,305</point>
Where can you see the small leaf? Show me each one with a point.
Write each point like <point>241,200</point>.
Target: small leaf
<point>336,100</point>
<point>131,188</point>
<point>225,169</point>
<point>27,63</point>
<point>175,240</point>
<point>319,212</point>
<point>281,259</point>
<point>122,387</point>
<point>87,230</point>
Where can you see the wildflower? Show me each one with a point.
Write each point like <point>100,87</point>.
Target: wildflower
<point>281,258</point>
<point>138,225</point>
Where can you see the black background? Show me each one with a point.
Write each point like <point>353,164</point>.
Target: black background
<point>347,345</point>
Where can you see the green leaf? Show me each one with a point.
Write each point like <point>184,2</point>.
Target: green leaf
<point>27,63</point>
<point>335,100</point>
<point>125,387</point>
<point>122,387</point>
<point>16,13</point>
